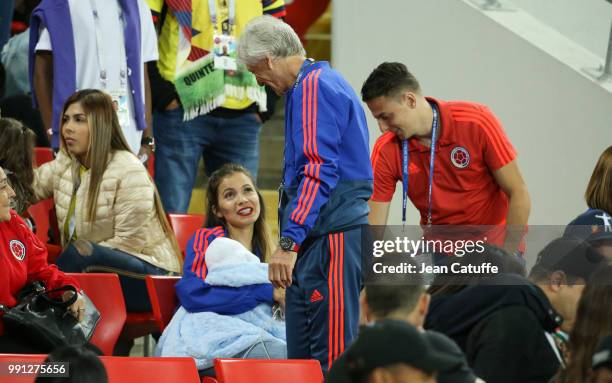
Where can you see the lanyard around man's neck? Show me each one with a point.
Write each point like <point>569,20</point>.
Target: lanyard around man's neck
<point>212,9</point>
<point>432,157</point>
<point>101,54</point>
<point>308,62</point>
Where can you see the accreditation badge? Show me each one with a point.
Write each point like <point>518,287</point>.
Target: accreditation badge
<point>224,50</point>
<point>120,103</point>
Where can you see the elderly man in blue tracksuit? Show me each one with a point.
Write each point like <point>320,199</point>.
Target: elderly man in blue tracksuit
<point>327,181</point>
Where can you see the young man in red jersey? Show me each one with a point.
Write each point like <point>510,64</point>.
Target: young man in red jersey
<point>476,179</point>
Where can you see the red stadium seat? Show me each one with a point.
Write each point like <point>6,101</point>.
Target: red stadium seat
<point>43,215</point>
<point>138,325</point>
<point>163,298</point>
<point>104,290</point>
<point>184,226</point>
<point>151,370</point>
<point>230,370</point>
<point>151,165</point>
<point>43,155</point>
<point>40,213</point>
<point>208,379</point>
<point>5,359</point>
<point>161,295</point>
<point>143,324</point>
<point>53,251</point>
<point>122,370</point>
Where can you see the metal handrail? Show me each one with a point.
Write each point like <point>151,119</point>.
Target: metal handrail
<point>607,70</point>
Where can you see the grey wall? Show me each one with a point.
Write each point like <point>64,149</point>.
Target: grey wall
<point>558,120</point>
<point>587,22</point>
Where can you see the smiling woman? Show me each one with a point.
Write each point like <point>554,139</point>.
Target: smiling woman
<point>6,195</point>
<point>108,209</point>
<point>234,203</point>
<point>213,298</point>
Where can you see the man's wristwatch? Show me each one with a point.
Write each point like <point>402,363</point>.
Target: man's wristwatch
<point>148,141</point>
<point>288,244</point>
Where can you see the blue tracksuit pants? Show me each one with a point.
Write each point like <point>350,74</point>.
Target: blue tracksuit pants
<point>322,304</point>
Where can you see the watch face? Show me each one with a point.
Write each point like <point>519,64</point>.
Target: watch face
<point>286,243</point>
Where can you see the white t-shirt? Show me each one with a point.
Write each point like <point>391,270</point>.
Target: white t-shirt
<point>111,34</point>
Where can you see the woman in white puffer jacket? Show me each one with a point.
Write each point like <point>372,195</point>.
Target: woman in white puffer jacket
<point>108,209</point>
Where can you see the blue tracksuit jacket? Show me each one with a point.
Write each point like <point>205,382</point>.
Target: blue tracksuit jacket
<point>196,295</point>
<point>327,181</point>
<point>327,175</point>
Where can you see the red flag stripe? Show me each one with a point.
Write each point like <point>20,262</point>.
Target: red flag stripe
<point>217,232</point>
<point>300,206</point>
<point>316,160</point>
<point>341,295</point>
<point>330,315</point>
<point>201,259</point>
<point>314,117</point>
<point>336,300</point>
<point>196,249</point>
<point>306,107</point>
<point>202,236</point>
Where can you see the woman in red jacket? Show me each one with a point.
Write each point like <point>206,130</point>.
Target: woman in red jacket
<point>23,259</point>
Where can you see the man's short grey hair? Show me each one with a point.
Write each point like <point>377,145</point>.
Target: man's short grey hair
<point>267,36</point>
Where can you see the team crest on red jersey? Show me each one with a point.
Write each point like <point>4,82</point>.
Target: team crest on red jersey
<point>18,249</point>
<point>460,157</point>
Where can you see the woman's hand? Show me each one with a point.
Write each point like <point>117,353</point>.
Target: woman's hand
<point>278,295</point>
<point>77,309</point>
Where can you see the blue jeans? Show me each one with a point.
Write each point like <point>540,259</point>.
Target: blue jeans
<point>131,272</point>
<point>6,16</point>
<point>180,144</point>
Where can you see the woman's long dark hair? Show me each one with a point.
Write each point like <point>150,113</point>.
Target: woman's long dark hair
<point>598,194</point>
<point>593,322</point>
<point>261,240</point>
<point>105,137</point>
<point>16,152</point>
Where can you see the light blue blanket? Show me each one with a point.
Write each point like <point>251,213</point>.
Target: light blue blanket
<point>207,335</point>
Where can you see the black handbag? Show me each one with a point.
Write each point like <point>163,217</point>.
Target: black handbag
<point>46,322</point>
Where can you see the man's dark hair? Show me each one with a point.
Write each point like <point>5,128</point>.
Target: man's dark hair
<point>395,292</point>
<point>574,257</point>
<point>389,79</point>
<point>84,365</point>
<point>450,282</point>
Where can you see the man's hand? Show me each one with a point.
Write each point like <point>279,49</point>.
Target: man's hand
<point>510,179</point>
<point>145,153</point>
<point>172,105</point>
<point>42,83</point>
<point>278,295</point>
<point>280,268</point>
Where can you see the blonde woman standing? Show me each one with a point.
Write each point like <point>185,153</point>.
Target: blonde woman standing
<point>108,210</point>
